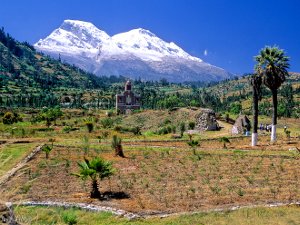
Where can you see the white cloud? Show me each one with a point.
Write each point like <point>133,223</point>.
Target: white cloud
<point>205,53</point>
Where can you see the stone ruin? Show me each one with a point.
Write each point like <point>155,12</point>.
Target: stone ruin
<point>241,125</point>
<point>7,215</point>
<point>206,120</point>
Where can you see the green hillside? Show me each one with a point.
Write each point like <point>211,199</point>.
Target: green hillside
<point>33,80</point>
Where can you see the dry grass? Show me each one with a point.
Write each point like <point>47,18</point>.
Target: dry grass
<point>278,216</point>
<point>167,176</point>
<point>159,174</point>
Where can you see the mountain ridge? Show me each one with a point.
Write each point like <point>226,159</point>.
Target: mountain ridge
<point>136,53</point>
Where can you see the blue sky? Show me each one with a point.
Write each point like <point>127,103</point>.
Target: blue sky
<point>221,32</point>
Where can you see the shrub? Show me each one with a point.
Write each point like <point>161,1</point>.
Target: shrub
<point>169,129</point>
<point>162,131</point>
<point>167,121</point>
<point>67,129</point>
<point>90,126</point>
<point>224,140</point>
<point>118,128</point>
<point>47,149</point>
<point>10,118</point>
<point>192,125</point>
<point>107,123</point>
<point>236,108</point>
<point>45,129</point>
<point>109,113</point>
<point>173,129</point>
<point>116,144</point>
<point>182,128</point>
<point>136,130</point>
<point>69,218</point>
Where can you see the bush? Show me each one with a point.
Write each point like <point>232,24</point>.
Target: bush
<point>167,121</point>
<point>109,113</point>
<point>107,123</point>
<point>45,129</point>
<point>67,129</point>
<point>118,128</point>
<point>162,131</point>
<point>90,126</point>
<point>192,125</point>
<point>235,108</point>
<point>69,218</point>
<point>10,118</point>
<point>182,128</point>
<point>173,129</point>
<point>136,130</point>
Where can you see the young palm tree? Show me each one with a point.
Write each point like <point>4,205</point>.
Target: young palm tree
<point>96,167</point>
<point>256,82</point>
<point>116,144</point>
<point>272,65</point>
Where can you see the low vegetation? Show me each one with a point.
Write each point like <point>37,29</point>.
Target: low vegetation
<point>168,168</point>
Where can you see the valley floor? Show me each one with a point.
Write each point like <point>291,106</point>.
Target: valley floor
<point>159,175</point>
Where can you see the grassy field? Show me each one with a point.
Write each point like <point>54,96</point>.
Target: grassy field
<point>11,154</point>
<point>259,215</point>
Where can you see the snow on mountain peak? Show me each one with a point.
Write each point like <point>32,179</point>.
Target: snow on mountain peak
<point>78,23</point>
<point>134,53</point>
<point>74,36</point>
<point>147,46</point>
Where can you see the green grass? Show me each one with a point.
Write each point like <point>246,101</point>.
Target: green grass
<point>258,215</point>
<point>11,154</point>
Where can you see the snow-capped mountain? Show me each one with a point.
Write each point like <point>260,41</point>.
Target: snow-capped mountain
<point>136,53</point>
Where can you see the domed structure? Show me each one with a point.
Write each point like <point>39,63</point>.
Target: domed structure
<point>127,101</point>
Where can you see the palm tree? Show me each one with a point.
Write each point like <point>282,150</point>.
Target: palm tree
<point>272,65</point>
<point>224,140</point>
<point>256,82</point>
<point>116,144</point>
<point>96,167</point>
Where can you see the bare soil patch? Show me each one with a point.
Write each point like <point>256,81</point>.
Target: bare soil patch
<point>165,179</point>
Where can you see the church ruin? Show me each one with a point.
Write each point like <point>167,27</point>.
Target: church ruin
<point>128,100</point>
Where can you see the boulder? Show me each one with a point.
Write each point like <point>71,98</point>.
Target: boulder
<point>206,120</point>
<point>241,125</point>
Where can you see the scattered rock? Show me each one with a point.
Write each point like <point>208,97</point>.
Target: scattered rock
<point>175,136</point>
<point>7,215</point>
<point>294,149</point>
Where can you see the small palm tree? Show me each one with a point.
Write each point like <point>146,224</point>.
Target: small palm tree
<point>47,149</point>
<point>272,65</point>
<point>256,82</point>
<point>224,140</point>
<point>193,144</point>
<point>96,167</point>
<point>116,144</point>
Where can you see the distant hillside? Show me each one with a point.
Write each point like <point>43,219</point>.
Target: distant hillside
<point>241,85</point>
<point>22,66</point>
<point>32,80</point>
<point>236,95</point>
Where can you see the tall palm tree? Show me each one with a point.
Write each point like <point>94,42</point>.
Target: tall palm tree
<point>272,65</point>
<point>256,82</point>
<point>96,167</point>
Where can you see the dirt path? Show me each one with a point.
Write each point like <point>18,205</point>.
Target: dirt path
<point>12,172</point>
